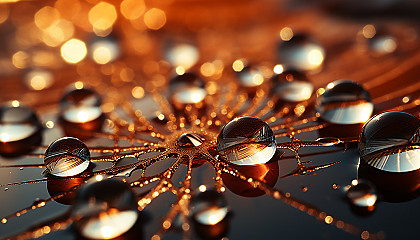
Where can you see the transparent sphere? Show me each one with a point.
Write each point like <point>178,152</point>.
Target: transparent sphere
<point>362,194</point>
<point>104,208</point>
<point>187,89</point>
<point>66,156</point>
<point>389,141</point>
<point>300,52</point>
<point>104,49</point>
<point>208,207</point>
<point>81,106</point>
<point>190,140</point>
<point>344,102</point>
<point>292,86</point>
<point>181,54</point>
<point>20,129</point>
<point>249,76</point>
<point>246,141</point>
<point>378,41</point>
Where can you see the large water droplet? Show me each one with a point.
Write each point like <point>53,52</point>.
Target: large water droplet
<point>389,154</point>
<point>81,110</point>
<point>362,194</point>
<point>66,156</point>
<point>187,89</point>
<point>389,141</point>
<point>246,141</point>
<point>292,86</point>
<point>209,207</point>
<point>300,52</point>
<point>344,102</point>
<point>20,129</point>
<point>190,140</point>
<point>104,209</point>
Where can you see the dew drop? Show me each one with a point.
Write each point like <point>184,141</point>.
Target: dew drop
<point>66,156</point>
<point>6,189</point>
<point>292,86</point>
<point>301,52</point>
<point>81,111</point>
<point>187,89</point>
<point>246,141</point>
<point>362,194</point>
<point>104,209</point>
<point>190,140</point>
<point>249,76</point>
<point>386,142</point>
<point>344,102</point>
<point>378,41</point>
<point>209,207</point>
<point>20,129</point>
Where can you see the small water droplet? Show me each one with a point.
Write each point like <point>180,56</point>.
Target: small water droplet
<point>304,188</point>
<point>362,194</point>
<point>209,207</point>
<point>187,89</point>
<point>6,189</point>
<point>291,86</point>
<point>21,168</point>
<point>80,106</point>
<point>336,186</point>
<point>184,55</point>
<point>66,156</point>
<point>20,129</point>
<point>190,140</point>
<point>247,141</point>
<point>104,209</point>
<point>344,102</point>
<point>301,52</point>
<point>249,76</point>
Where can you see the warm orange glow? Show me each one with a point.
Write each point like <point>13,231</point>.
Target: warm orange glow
<point>39,79</point>
<point>180,70</point>
<point>4,13</point>
<point>15,103</point>
<point>137,92</point>
<point>238,65</point>
<point>155,19</point>
<point>315,57</point>
<point>286,34</point>
<point>49,124</point>
<point>73,51</point>
<point>207,69</point>
<point>369,31</point>
<point>132,9</point>
<point>278,69</point>
<point>328,219</point>
<point>45,17</point>
<point>58,32</point>
<point>78,85</point>
<point>202,188</point>
<point>102,17</point>
<point>20,59</point>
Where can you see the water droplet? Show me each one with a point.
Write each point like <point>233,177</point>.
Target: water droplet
<point>344,102</point>
<point>20,129</point>
<point>304,188</point>
<point>21,168</point>
<point>187,89</point>
<point>57,185</point>
<point>292,86</point>
<point>66,156</point>
<point>181,54</point>
<point>81,111</point>
<point>6,189</point>
<point>387,142</point>
<point>249,76</point>
<point>104,49</point>
<point>336,186</point>
<point>190,140</point>
<point>209,207</point>
<point>104,209</point>
<point>300,52</point>
<point>246,141</point>
<point>362,194</point>
<point>378,41</point>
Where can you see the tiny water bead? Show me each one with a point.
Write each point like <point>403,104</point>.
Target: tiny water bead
<point>249,76</point>
<point>209,207</point>
<point>246,141</point>
<point>390,154</point>
<point>190,140</point>
<point>104,208</point>
<point>291,86</point>
<point>187,89</point>
<point>300,52</point>
<point>20,129</point>
<point>66,156</point>
<point>344,102</point>
<point>81,110</point>
<point>362,194</point>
